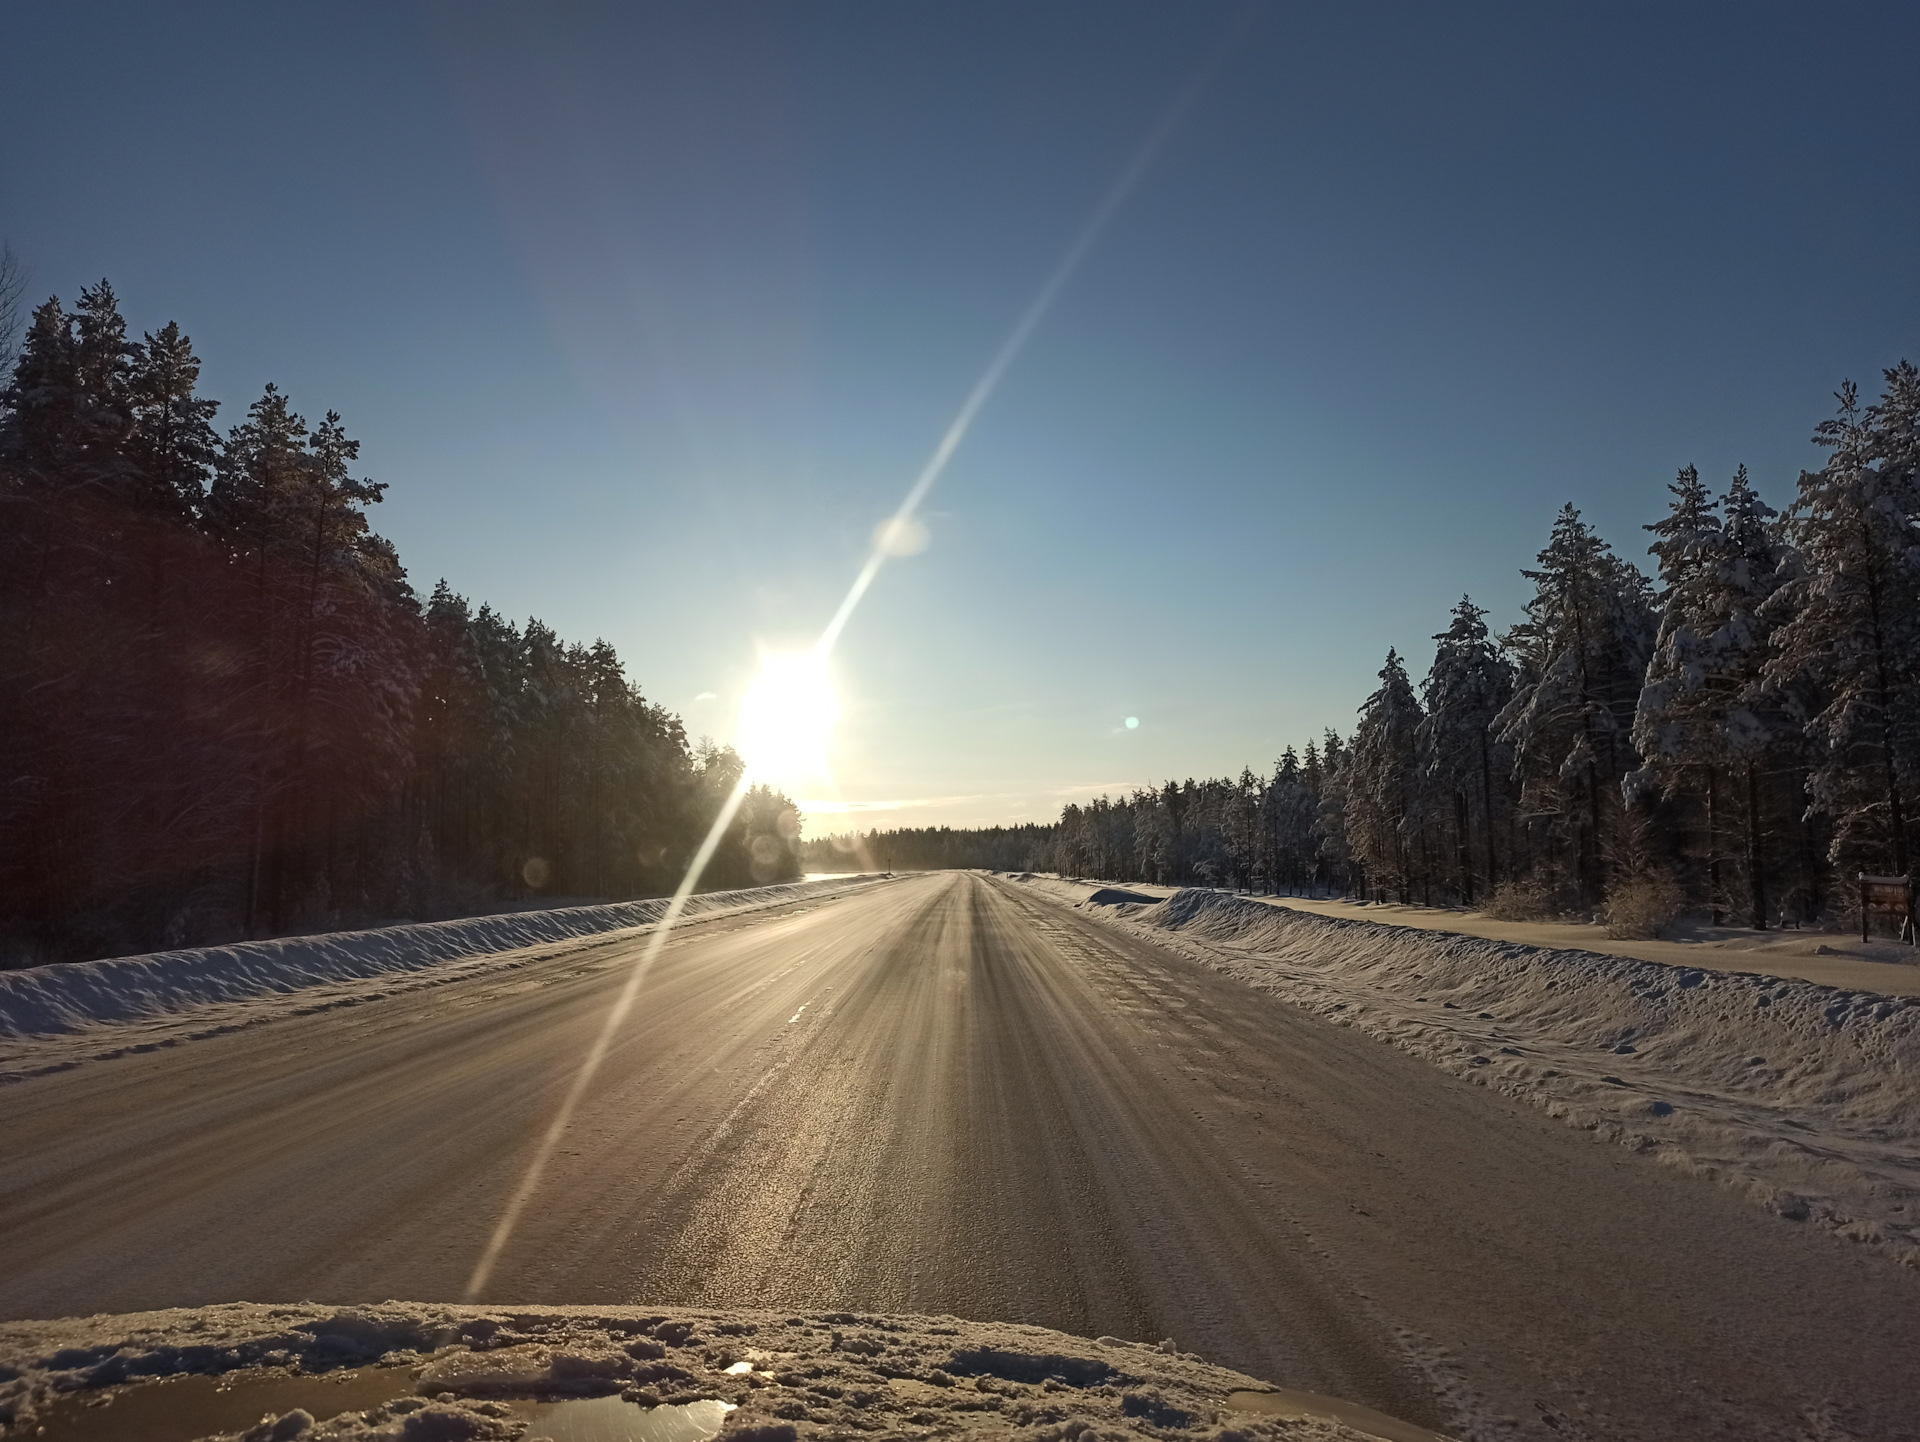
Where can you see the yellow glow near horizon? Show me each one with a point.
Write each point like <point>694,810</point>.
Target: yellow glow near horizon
<point>787,720</point>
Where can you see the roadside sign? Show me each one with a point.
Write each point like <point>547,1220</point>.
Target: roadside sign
<point>1890,894</point>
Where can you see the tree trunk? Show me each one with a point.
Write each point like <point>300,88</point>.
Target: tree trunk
<point>1896,818</point>
<point>1465,847</point>
<point>1809,860</point>
<point>1713,846</point>
<point>1756,875</point>
<point>1486,805</point>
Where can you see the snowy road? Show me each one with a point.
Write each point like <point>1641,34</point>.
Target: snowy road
<point>949,1094</point>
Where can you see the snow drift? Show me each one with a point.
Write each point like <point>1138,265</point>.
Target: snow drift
<point>1804,1096</point>
<point>66,997</point>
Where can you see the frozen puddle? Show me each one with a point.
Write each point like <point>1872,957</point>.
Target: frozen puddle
<point>610,1419</point>
<point>185,1409</point>
<point>181,1409</point>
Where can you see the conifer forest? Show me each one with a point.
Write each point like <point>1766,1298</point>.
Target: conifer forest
<point>1738,735</point>
<point>225,712</point>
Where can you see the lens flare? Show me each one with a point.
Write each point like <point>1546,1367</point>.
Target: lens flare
<point>787,719</point>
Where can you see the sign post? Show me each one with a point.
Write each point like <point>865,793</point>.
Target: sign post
<point>1891,894</point>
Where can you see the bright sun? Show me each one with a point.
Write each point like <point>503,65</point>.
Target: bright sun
<point>786,721</point>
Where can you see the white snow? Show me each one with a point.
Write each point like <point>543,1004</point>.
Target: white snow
<point>1804,1097</point>
<point>69,997</point>
<point>445,1373</point>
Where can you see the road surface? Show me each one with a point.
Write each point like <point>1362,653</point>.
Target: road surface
<point>950,1094</point>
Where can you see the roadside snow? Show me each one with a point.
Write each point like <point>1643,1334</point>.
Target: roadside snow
<point>417,1371</point>
<point>70,997</point>
<point>1804,1097</point>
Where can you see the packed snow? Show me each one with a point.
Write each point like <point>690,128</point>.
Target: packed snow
<point>1804,1097</point>
<point>224,986</point>
<point>410,1372</point>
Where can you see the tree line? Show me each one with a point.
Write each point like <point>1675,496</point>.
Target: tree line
<point>1739,733</point>
<point>225,713</point>
<point>929,848</point>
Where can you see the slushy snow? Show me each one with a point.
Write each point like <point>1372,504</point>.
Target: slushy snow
<point>445,1372</point>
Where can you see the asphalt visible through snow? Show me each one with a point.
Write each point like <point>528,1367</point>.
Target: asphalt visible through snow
<point>951,1094</point>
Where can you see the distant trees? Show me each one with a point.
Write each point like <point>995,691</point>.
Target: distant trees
<point>931,848</point>
<point>224,712</point>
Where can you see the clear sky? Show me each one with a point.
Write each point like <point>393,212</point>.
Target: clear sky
<point>649,314</point>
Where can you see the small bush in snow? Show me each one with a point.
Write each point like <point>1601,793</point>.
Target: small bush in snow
<point>1641,906</point>
<point>1523,900</point>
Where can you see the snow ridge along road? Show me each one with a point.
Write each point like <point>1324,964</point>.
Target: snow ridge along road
<point>1804,1098</point>
<point>950,1094</point>
<point>161,986</point>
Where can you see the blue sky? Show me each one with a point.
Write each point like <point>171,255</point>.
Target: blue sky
<point>648,314</point>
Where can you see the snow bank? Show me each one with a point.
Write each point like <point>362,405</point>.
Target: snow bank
<point>1803,1096</point>
<point>68,996</point>
<point>443,1373</point>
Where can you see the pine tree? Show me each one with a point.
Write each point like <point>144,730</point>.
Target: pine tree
<point>1383,779</point>
<point>1680,722</point>
<point>69,413</point>
<point>1330,830</point>
<point>1582,654</point>
<point>1704,717</point>
<point>324,601</point>
<point>1468,686</point>
<point>1849,632</point>
<point>13,290</point>
<point>1240,827</point>
<point>1287,813</point>
<point>72,730</point>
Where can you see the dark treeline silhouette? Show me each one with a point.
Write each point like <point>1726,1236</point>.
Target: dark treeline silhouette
<point>1740,735</point>
<point>932,848</point>
<point>225,713</point>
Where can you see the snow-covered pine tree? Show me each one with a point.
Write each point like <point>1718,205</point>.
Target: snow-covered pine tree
<point>1313,776</point>
<point>1288,814</point>
<point>1240,828</point>
<point>1383,778</point>
<point>1680,722</point>
<point>1706,723</point>
<point>1849,624</point>
<point>1332,851</point>
<point>1152,836</point>
<point>1468,685</point>
<point>1765,736</point>
<point>1583,653</point>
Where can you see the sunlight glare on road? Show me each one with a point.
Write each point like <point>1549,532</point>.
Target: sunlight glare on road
<point>787,719</point>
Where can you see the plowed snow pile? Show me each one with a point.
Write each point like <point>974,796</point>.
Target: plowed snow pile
<point>1805,1097</point>
<point>70,997</point>
<point>460,1374</point>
